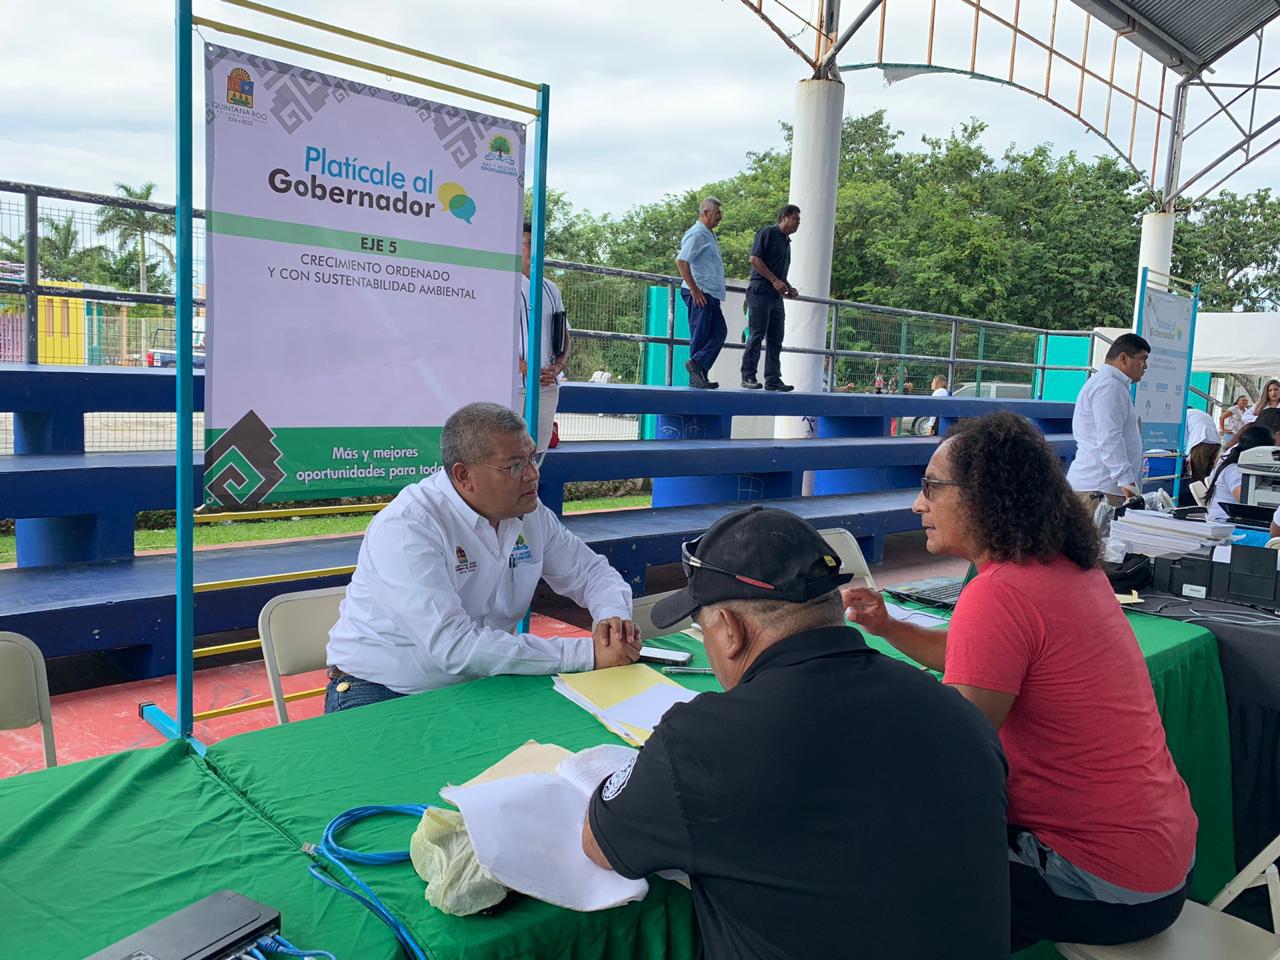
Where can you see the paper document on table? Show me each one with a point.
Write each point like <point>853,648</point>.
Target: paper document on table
<point>918,617</point>
<point>529,757</point>
<point>526,831</point>
<point>608,695</point>
<point>646,708</point>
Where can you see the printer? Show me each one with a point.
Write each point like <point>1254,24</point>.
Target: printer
<point>1260,477</point>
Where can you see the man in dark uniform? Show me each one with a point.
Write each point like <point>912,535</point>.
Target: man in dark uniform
<point>833,802</point>
<point>770,263</point>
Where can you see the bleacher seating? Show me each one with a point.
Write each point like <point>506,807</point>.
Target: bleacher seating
<point>866,481</point>
<point>71,506</point>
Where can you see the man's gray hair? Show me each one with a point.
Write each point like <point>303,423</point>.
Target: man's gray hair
<point>708,203</point>
<point>783,616</point>
<point>468,434</point>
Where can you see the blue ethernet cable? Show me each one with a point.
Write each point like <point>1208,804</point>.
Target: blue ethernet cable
<point>333,853</point>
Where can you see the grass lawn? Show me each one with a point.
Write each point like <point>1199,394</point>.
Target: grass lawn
<point>217,534</point>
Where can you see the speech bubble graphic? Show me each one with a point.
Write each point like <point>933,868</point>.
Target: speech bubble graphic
<point>462,207</point>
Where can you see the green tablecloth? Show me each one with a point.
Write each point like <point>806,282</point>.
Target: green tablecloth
<point>93,851</point>
<point>303,774</point>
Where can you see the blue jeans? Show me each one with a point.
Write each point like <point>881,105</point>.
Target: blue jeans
<point>707,330</point>
<point>358,693</point>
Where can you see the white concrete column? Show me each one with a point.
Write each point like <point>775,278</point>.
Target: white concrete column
<point>815,164</point>
<point>1155,252</point>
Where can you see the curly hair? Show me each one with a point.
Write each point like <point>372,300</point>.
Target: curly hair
<point>1016,494</point>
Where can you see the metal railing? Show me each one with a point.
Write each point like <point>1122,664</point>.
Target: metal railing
<point>86,307</point>
<point>888,332</point>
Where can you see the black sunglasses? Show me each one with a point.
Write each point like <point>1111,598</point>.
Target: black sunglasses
<point>928,483</point>
<point>688,561</point>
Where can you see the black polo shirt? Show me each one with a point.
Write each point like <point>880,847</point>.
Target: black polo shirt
<point>836,803</point>
<point>774,248</point>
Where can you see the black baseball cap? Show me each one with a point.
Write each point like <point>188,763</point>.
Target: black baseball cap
<point>754,554</point>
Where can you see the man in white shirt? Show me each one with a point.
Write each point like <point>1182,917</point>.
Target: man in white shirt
<point>1106,428</point>
<point>1200,429</point>
<point>448,569</point>
<point>554,355</point>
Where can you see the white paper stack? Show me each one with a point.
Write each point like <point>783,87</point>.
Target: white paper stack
<point>1161,535</point>
<point>629,700</point>
<point>527,831</point>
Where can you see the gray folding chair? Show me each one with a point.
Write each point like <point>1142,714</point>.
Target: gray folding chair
<point>1204,932</point>
<point>851,559</point>
<point>642,616</point>
<point>294,628</point>
<point>24,690</point>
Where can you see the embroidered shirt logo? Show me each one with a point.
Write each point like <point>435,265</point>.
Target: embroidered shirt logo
<point>520,553</point>
<point>464,565</point>
<point>613,786</point>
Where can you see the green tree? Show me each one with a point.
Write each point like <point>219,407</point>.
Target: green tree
<point>1230,245</point>
<point>132,228</point>
<point>61,255</point>
<point>500,145</point>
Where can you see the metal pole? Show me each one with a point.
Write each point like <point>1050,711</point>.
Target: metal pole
<point>185,619</point>
<point>32,252</point>
<point>1040,371</point>
<point>982,342</point>
<point>671,331</point>
<point>533,353</point>
<point>951,357</point>
<point>902,348</point>
<point>831,357</point>
<point>1173,160</point>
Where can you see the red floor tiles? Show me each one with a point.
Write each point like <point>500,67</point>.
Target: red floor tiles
<point>93,723</point>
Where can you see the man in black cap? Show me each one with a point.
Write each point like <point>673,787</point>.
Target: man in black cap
<point>832,802</point>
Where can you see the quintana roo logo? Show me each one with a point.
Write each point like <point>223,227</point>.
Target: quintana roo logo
<point>500,150</point>
<point>240,88</point>
<point>241,465</point>
<point>453,197</point>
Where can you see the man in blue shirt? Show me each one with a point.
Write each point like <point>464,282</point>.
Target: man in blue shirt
<point>702,268</point>
<point>770,263</point>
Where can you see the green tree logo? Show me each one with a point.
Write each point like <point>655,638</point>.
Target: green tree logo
<point>501,146</point>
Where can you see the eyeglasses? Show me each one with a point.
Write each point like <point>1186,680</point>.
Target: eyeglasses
<point>516,470</point>
<point>928,483</point>
<point>688,560</point>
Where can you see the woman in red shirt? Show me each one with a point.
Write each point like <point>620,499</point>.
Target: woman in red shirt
<point>1101,830</point>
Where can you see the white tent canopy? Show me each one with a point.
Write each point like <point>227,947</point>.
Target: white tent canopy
<point>1243,343</point>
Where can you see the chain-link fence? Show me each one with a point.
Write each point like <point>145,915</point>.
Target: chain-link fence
<point>104,297</point>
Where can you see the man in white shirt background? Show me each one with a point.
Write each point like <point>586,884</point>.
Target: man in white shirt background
<point>554,356</point>
<point>1106,428</point>
<point>448,569</point>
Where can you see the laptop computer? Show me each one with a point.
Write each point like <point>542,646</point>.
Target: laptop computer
<point>942,592</point>
<point>1248,514</point>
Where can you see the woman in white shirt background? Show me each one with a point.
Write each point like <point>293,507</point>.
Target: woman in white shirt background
<point>1226,482</point>
<point>1232,421</point>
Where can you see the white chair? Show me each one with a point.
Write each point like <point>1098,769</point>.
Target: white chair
<point>642,616</point>
<point>1206,933</point>
<point>851,559</point>
<point>1199,492</point>
<point>1274,543</point>
<point>294,628</point>
<point>24,690</point>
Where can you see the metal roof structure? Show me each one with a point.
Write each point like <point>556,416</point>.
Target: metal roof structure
<point>1187,36</point>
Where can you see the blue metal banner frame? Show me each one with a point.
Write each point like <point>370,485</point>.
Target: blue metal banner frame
<point>181,726</point>
<point>1139,325</point>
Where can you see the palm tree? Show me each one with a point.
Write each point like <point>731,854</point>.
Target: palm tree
<point>61,255</point>
<point>132,227</point>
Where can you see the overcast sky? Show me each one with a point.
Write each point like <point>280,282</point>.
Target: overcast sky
<point>647,98</point>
